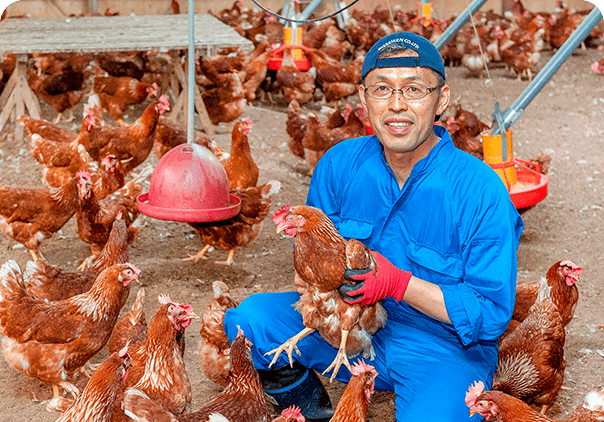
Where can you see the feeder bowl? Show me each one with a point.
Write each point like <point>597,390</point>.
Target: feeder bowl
<point>302,64</point>
<point>189,184</point>
<point>531,186</point>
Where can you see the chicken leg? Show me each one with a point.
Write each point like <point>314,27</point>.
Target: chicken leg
<point>340,358</point>
<point>289,346</point>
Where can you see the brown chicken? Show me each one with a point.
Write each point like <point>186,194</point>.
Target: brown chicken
<point>295,84</point>
<point>96,401</point>
<point>242,170</point>
<point>223,94</point>
<point>354,403</point>
<point>242,399</point>
<point>50,341</point>
<point>45,129</point>
<point>63,91</point>
<point>499,406</point>
<point>337,80</point>
<point>531,360</point>
<point>320,136</point>
<point>561,277</point>
<point>158,367</point>
<point>214,347</point>
<point>117,93</point>
<point>255,71</point>
<point>238,231</point>
<point>169,133</point>
<point>465,129</point>
<point>295,127</point>
<point>122,63</point>
<point>58,63</point>
<point>95,217</point>
<point>321,257</point>
<point>29,216</point>
<point>51,283</point>
<point>131,143</point>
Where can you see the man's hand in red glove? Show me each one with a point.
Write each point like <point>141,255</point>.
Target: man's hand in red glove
<point>389,281</point>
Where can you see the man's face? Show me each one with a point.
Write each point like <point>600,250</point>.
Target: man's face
<point>400,124</point>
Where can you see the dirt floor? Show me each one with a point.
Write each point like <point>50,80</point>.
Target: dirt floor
<point>566,118</point>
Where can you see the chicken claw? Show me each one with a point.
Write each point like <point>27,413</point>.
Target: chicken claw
<point>340,358</point>
<point>289,346</point>
<point>87,263</point>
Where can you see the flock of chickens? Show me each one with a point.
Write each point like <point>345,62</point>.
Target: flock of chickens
<point>90,175</point>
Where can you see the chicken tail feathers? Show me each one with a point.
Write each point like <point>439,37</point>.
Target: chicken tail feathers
<point>141,408</point>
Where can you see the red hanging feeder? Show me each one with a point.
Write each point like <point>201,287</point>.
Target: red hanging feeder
<point>189,184</point>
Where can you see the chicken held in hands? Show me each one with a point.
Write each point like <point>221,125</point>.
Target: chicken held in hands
<point>242,399</point>
<point>29,216</point>
<point>96,402</point>
<point>321,258</point>
<point>51,341</point>
<point>214,347</point>
<point>51,283</point>
<point>499,406</point>
<point>240,230</point>
<point>531,360</point>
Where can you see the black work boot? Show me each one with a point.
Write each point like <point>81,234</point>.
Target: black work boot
<point>298,386</point>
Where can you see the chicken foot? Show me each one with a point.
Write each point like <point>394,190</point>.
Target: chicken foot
<point>69,387</point>
<point>289,346</point>
<point>199,255</point>
<point>340,358</point>
<point>229,260</point>
<point>87,262</point>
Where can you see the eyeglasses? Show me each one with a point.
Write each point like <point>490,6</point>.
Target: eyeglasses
<point>410,92</point>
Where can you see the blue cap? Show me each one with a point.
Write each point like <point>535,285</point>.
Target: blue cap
<point>428,54</point>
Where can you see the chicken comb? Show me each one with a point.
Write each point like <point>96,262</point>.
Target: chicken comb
<point>360,367</point>
<point>278,215</point>
<point>118,215</point>
<point>83,174</point>
<point>293,412</point>
<point>239,331</point>
<point>124,351</point>
<point>164,101</point>
<point>164,299</point>
<point>473,392</point>
<point>247,121</point>
<point>135,269</point>
<point>576,269</point>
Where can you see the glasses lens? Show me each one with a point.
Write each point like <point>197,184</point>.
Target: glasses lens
<point>381,92</point>
<point>415,92</point>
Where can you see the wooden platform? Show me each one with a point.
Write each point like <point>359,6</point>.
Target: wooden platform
<point>164,33</point>
<point>117,33</point>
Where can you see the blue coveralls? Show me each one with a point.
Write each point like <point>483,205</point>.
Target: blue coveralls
<point>452,224</point>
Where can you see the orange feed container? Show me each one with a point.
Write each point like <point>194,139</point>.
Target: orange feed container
<point>493,156</point>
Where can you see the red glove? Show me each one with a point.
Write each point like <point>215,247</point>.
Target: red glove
<point>390,281</point>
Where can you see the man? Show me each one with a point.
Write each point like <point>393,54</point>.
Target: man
<point>445,234</point>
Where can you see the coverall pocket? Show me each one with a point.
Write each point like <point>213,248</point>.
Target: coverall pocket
<point>436,266</point>
<point>355,229</point>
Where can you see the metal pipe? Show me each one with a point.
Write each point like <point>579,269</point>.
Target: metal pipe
<point>458,23</point>
<point>191,74</point>
<point>511,114</point>
<point>309,9</point>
